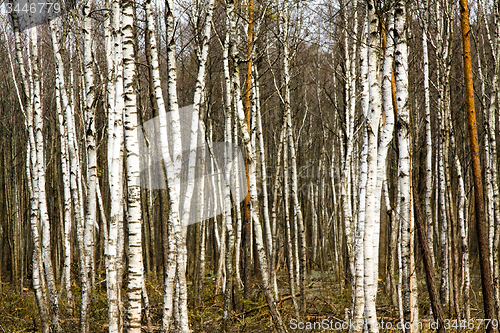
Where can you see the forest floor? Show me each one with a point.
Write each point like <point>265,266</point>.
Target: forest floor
<point>326,305</point>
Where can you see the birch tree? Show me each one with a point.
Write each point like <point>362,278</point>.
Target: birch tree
<point>300,231</point>
<point>39,160</point>
<point>62,102</point>
<point>176,258</point>
<point>428,135</point>
<point>135,265</point>
<point>358,286</point>
<point>370,248</point>
<point>115,160</point>
<point>404,176</point>
<point>91,201</point>
<point>349,123</point>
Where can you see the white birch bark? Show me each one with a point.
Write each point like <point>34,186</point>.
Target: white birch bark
<point>91,199</point>
<point>229,258</point>
<point>229,102</point>
<point>115,164</point>
<point>313,193</point>
<point>444,227</point>
<point>414,317</point>
<point>274,210</point>
<point>463,229</point>
<point>173,166</point>
<point>219,228</point>
<point>74,157</point>
<point>428,138</point>
<point>388,129</point>
<point>358,287</point>
<point>135,266</point>
<point>496,240</point>
<point>491,174</point>
<point>443,54</point>
<point>300,240</point>
<point>349,124</point>
<point>227,173</point>
<point>489,202</point>
<point>401,76</point>
<point>172,174</point>
<point>200,84</point>
<point>292,278</point>
<point>491,129</point>
<point>67,200</point>
<point>265,196</point>
<point>40,183</point>
<point>203,211</point>
<point>62,103</point>
<point>372,199</point>
<point>38,284</point>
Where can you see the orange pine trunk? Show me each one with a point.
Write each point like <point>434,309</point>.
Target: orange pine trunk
<point>482,235</point>
<point>248,106</point>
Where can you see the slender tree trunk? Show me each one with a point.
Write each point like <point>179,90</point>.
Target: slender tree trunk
<point>265,196</point>
<point>278,322</point>
<point>371,240</point>
<point>462,225</point>
<point>173,167</point>
<point>37,253</point>
<point>203,207</point>
<point>428,137</point>
<point>288,230</point>
<point>429,267</point>
<point>41,183</point>
<point>247,218</point>
<point>492,175</point>
<point>228,225</point>
<point>299,226</point>
<point>358,287</point>
<point>349,123</point>
<point>486,279</point>
<point>91,202</point>
<point>401,76</point>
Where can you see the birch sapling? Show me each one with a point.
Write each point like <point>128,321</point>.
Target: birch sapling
<point>401,76</point>
<point>40,182</point>
<point>300,241</point>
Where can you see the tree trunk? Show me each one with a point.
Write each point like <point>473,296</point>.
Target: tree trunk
<point>40,184</point>
<point>486,279</point>
<point>372,228</point>
<point>428,265</point>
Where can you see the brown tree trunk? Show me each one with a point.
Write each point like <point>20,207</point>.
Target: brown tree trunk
<point>482,232</point>
<point>432,289</point>
<point>247,242</point>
